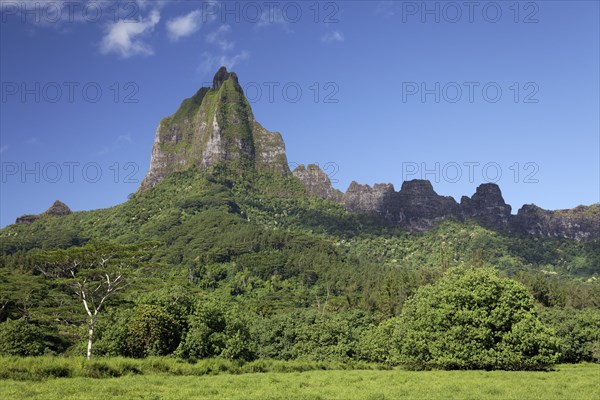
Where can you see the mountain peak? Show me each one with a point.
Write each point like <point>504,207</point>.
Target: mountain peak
<point>57,209</point>
<point>216,125</point>
<point>221,76</point>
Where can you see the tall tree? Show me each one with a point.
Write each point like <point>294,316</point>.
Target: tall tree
<point>94,273</point>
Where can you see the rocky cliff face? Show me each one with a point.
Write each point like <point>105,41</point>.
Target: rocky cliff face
<point>418,207</point>
<point>317,182</point>
<point>57,209</point>
<point>422,207</point>
<point>215,125</point>
<point>579,223</point>
<point>487,206</point>
<point>379,199</point>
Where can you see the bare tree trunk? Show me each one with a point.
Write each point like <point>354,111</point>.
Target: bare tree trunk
<point>90,338</point>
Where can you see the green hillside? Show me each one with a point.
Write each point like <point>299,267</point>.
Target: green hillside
<point>252,266</point>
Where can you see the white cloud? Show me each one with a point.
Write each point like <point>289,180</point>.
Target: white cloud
<point>218,38</point>
<point>184,25</point>
<point>3,149</point>
<point>143,4</point>
<point>124,37</point>
<point>334,36</point>
<point>274,18</point>
<point>211,62</point>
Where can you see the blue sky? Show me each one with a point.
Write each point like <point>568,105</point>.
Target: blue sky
<point>454,92</point>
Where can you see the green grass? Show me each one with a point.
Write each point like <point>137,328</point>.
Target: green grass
<point>48,367</point>
<point>580,381</point>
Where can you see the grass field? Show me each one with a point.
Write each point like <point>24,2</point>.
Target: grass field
<point>580,381</point>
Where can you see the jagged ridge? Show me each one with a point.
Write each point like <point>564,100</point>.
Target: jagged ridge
<point>418,207</point>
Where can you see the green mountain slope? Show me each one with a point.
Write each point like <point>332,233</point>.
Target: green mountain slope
<point>237,246</point>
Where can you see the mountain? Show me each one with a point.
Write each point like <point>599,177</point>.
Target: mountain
<point>417,207</point>
<point>216,128</point>
<point>215,125</point>
<point>222,220</point>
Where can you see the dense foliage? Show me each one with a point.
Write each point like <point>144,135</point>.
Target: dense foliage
<point>249,266</point>
<point>473,319</point>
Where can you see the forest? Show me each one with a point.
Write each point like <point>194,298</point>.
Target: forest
<point>249,267</point>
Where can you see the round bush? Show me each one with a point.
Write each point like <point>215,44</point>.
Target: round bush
<point>473,319</point>
<point>152,331</point>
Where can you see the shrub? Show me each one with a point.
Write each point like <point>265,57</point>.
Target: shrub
<point>578,332</point>
<point>379,343</point>
<point>152,331</point>
<point>215,331</point>
<point>22,338</point>
<point>473,319</point>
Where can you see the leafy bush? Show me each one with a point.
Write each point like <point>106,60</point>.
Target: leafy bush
<point>216,330</point>
<point>152,331</point>
<point>473,319</point>
<point>379,343</point>
<point>311,335</point>
<point>578,332</point>
<point>22,338</point>
<point>110,334</point>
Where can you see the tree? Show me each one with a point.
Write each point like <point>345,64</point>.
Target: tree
<point>152,331</point>
<point>578,332</point>
<point>94,273</point>
<point>379,343</point>
<point>19,294</point>
<point>21,338</point>
<point>473,319</point>
<point>217,329</point>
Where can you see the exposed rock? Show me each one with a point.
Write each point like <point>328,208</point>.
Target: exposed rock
<point>422,207</point>
<point>215,125</point>
<point>221,76</point>
<point>487,207</point>
<point>58,209</point>
<point>379,199</point>
<point>317,182</point>
<point>269,150</point>
<point>417,207</point>
<point>579,223</point>
<point>27,219</point>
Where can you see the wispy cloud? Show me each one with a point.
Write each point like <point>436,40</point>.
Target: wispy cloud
<point>125,37</point>
<point>119,143</point>
<point>218,38</point>
<point>184,25</point>
<point>33,141</point>
<point>211,62</point>
<point>274,17</point>
<point>124,139</point>
<point>3,148</point>
<point>333,36</point>
<point>225,56</point>
<point>154,4</point>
